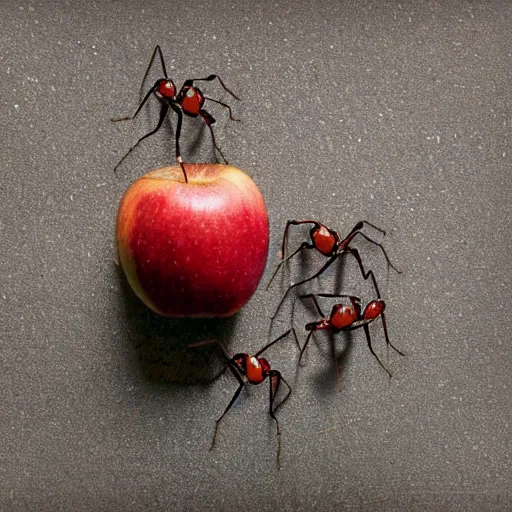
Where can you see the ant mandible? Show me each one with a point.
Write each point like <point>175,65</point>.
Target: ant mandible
<point>249,369</point>
<point>347,318</point>
<point>329,243</point>
<point>189,101</point>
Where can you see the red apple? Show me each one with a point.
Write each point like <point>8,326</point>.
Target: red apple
<point>195,249</point>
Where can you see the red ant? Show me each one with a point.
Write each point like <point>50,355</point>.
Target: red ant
<point>347,318</point>
<point>329,243</point>
<point>249,369</point>
<point>189,101</point>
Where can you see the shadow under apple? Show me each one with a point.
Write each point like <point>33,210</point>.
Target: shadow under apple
<point>162,344</point>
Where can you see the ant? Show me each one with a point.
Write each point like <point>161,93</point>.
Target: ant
<point>249,369</point>
<point>328,243</point>
<point>347,318</point>
<point>189,100</point>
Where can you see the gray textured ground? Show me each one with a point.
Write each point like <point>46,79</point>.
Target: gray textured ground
<point>398,113</point>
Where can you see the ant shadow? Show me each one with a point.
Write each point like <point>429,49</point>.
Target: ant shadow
<point>307,263</point>
<point>329,378</point>
<point>162,344</point>
<point>192,146</point>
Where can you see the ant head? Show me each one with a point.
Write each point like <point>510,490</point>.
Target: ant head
<point>265,365</point>
<point>241,361</point>
<point>374,309</point>
<point>166,88</point>
<point>342,316</point>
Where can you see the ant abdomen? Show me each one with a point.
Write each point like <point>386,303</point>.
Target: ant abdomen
<point>192,101</point>
<point>374,309</point>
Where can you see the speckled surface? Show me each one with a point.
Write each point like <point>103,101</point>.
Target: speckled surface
<point>394,112</point>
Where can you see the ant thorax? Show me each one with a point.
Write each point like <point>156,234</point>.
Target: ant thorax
<point>324,240</point>
<point>256,369</point>
<point>342,316</point>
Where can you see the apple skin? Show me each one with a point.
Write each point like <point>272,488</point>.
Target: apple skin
<point>195,249</point>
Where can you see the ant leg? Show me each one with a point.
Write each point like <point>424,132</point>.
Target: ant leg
<point>365,274</point>
<point>361,224</point>
<point>152,90</point>
<point>284,243</point>
<point>190,83</point>
<point>295,337</point>
<point>159,50</point>
<point>385,329</point>
<point>374,227</point>
<point>329,262</point>
<point>163,113</point>
<point>268,345</point>
<point>353,298</point>
<point>217,375</point>
<point>315,302</point>
<point>224,105</point>
<point>177,135</point>
<point>203,343</point>
<point>278,339</point>
<point>303,245</point>
<point>356,230</point>
<point>209,120</point>
<point>235,396</point>
<point>358,227</point>
<point>287,227</point>
<point>275,381</point>
<point>306,343</point>
<point>129,118</point>
<point>388,261</point>
<point>224,350</point>
<point>292,318</point>
<point>276,373</point>
<point>368,339</point>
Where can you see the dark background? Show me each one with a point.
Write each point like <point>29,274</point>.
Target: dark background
<point>394,112</point>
